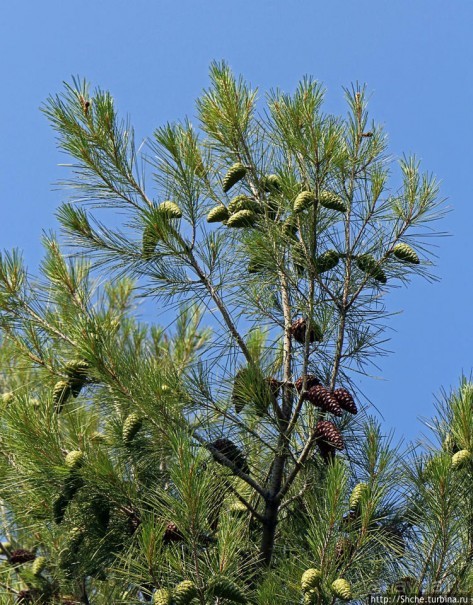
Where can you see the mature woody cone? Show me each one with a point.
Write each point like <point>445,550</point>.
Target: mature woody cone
<point>323,398</point>
<point>332,201</point>
<point>304,200</point>
<point>162,597</point>
<point>243,202</point>
<point>311,381</point>
<point>345,400</point>
<point>328,432</point>
<point>38,565</point>
<point>406,253</point>
<point>131,426</point>
<point>242,218</point>
<point>326,261</point>
<point>224,588</point>
<point>232,452</point>
<point>218,214</point>
<point>184,592</point>
<point>310,579</point>
<point>342,589</point>
<point>461,459</point>
<point>368,264</point>
<point>169,209</point>
<point>61,393</point>
<point>20,556</point>
<point>298,331</point>
<point>234,174</point>
<point>172,534</point>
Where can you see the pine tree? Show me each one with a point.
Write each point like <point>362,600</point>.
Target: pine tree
<point>214,461</point>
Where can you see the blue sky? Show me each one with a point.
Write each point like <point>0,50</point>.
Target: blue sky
<point>414,55</point>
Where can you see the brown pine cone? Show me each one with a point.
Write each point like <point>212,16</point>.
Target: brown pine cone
<point>20,556</point>
<point>232,452</point>
<point>323,398</point>
<point>298,331</point>
<point>345,400</point>
<point>327,432</point>
<point>311,381</point>
<point>172,534</point>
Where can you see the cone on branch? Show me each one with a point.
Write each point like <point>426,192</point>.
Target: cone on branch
<point>231,452</point>
<point>310,579</point>
<point>311,381</point>
<point>39,564</point>
<point>242,218</point>
<point>323,398</point>
<point>184,592</point>
<point>77,369</point>
<point>20,556</point>
<point>405,253</point>
<point>271,183</point>
<point>61,393</point>
<point>341,589</point>
<point>131,426</point>
<point>74,459</point>
<point>345,400</point>
<point>234,174</point>
<point>326,261</point>
<point>332,201</point>
<point>303,201</point>
<point>243,202</point>
<point>299,328</point>
<point>169,209</point>
<point>461,459</point>
<point>327,432</point>
<point>357,495</point>
<point>218,214</point>
<point>172,534</point>
<point>369,265</point>
<point>224,588</point>
<point>162,597</point>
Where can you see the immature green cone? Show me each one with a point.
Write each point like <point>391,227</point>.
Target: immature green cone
<point>369,265</point>
<point>38,565</point>
<point>218,214</point>
<point>131,426</point>
<point>61,393</point>
<point>184,592</point>
<point>170,209</point>
<point>74,460</point>
<point>304,200</point>
<point>77,369</point>
<point>235,173</point>
<point>150,241</point>
<point>310,579</point>
<point>243,202</point>
<point>461,459</point>
<point>326,261</point>
<point>332,201</point>
<point>271,183</point>
<point>341,589</point>
<point>290,227</point>
<point>406,253</point>
<point>243,218</point>
<point>357,494</point>
<point>7,398</point>
<point>162,597</point>
<point>227,589</point>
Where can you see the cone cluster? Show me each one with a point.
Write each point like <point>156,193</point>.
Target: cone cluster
<point>323,398</point>
<point>345,400</point>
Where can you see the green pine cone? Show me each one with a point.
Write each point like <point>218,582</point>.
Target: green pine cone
<point>170,209</point>
<point>461,459</point>
<point>271,183</point>
<point>162,597</point>
<point>310,579</point>
<point>369,265</point>
<point>341,589</point>
<point>218,214</point>
<point>74,460</point>
<point>243,202</point>
<point>304,200</point>
<point>38,565</point>
<point>226,589</point>
<point>77,369</point>
<point>326,261</point>
<point>243,218</point>
<point>406,253</point>
<point>150,241</point>
<point>184,592</point>
<point>290,227</point>
<point>7,398</point>
<point>61,393</point>
<point>131,426</point>
<point>234,174</point>
<point>332,201</point>
<point>357,495</point>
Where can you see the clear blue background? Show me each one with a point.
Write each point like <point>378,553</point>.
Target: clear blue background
<point>414,55</point>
